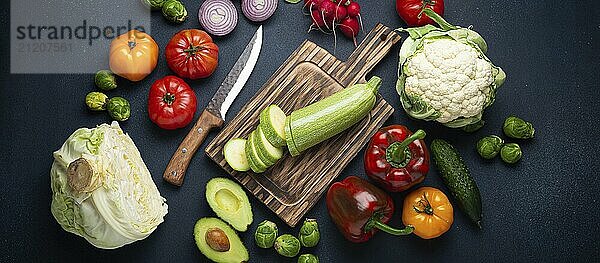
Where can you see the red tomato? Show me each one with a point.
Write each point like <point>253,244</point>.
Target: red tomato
<point>411,11</point>
<point>171,103</point>
<point>192,54</point>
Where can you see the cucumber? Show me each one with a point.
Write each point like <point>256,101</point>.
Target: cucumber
<point>268,153</point>
<point>324,119</point>
<point>457,178</point>
<point>272,121</point>
<point>253,160</point>
<point>235,154</point>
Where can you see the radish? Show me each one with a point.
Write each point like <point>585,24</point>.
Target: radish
<point>340,12</point>
<point>317,19</point>
<point>328,10</point>
<point>350,28</point>
<point>353,9</point>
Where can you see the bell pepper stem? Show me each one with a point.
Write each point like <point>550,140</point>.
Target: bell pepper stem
<point>398,153</point>
<point>390,230</point>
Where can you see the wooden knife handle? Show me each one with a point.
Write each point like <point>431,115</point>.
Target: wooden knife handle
<point>181,158</point>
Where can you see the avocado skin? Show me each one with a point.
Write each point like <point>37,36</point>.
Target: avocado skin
<point>237,252</point>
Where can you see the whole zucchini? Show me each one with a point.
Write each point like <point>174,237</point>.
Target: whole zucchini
<point>324,119</point>
<point>457,178</point>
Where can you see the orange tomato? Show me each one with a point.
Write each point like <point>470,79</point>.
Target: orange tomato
<point>133,55</point>
<point>429,211</point>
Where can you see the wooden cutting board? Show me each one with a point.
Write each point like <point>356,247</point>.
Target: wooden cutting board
<point>294,184</point>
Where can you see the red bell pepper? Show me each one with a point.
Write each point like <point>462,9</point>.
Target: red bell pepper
<point>396,159</point>
<point>359,208</point>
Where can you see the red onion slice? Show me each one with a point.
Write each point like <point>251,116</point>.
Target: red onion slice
<point>218,17</point>
<point>259,10</point>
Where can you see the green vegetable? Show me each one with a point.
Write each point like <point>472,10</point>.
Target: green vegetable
<point>118,108</point>
<point>324,119</point>
<point>102,190</point>
<point>174,11</point>
<point>444,74</point>
<point>254,161</point>
<point>473,127</point>
<point>105,80</point>
<point>457,178</point>
<point>309,233</point>
<point>96,101</point>
<point>488,147</point>
<point>511,153</point>
<point>308,258</point>
<point>272,123</point>
<point>517,128</point>
<point>265,234</point>
<point>154,4</point>
<point>234,152</point>
<point>265,150</point>
<point>230,202</point>
<point>293,1</point>
<point>287,245</point>
<point>235,254</point>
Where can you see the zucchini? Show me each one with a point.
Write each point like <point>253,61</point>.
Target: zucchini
<point>272,122</point>
<point>253,160</point>
<point>268,153</point>
<point>324,119</point>
<point>288,139</point>
<point>457,178</point>
<point>235,154</point>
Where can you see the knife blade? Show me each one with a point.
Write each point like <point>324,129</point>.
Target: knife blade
<point>213,115</point>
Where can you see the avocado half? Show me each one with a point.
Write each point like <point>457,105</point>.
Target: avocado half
<point>230,202</point>
<point>237,252</point>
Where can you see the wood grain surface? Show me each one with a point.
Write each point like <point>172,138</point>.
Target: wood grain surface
<point>175,171</point>
<point>293,185</point>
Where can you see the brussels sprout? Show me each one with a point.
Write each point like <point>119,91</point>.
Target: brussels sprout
<point>174,11</point>
<point>488,147</point>
<point>118,108</point>
<point>515,127</point>
<point>105,80</point>
<point>309,233</point>
<point>511,153</point>
<point>308,258</point>
<point>265,234</point>
<point>287,245</point>
<point>154,4</point>
<point>96,101</point>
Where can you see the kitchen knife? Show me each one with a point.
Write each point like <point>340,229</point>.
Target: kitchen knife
<point>213,115</point>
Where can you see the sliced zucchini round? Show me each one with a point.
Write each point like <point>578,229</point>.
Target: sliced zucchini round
<point>235,154</point>
<point>254,161</point>
<point>289,139</point>
<point>267,152</point>
<point>272,121</point>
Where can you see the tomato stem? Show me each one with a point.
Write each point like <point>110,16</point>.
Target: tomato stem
<point>191,51</point>
<point>169,98</point>
<point>427,206</point>
<point>131,45</point>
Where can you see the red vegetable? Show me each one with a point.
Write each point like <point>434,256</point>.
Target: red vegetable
<point>397,159</point>
<point>359,208</point>
<point>259,10</point>
<point>328,10</point>
<point>317,19</point>
<point>192,54</point>
<point>218,17</point>
<point>350,28</point>
<point>171,103</point>
<point>340,12</point>
<point>353,9</point>
<point>411,11</point>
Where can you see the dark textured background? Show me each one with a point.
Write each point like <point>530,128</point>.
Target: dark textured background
<point>541,209</point>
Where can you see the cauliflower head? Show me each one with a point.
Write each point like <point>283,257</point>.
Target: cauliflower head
<point>450,76</point>
<point>444,75</point>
